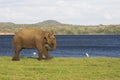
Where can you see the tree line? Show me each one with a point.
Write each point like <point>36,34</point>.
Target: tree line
<point>62,29</point>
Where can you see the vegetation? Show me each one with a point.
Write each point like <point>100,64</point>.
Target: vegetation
<point>59,28</point>
<point>60,69</point>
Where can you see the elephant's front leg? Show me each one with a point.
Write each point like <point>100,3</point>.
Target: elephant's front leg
<point>46,53</point>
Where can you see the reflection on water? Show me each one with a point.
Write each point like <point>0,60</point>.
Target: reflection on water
<point>72,46</point>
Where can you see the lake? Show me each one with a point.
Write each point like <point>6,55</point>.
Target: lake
<point>72,46</point>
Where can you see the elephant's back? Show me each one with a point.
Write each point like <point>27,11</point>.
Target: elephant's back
<point>29,32</point>
<point>28,37</point>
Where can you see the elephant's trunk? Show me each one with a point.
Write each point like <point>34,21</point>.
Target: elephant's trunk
<point>54,45</point>
<point>51,47</point>
<point>48,47</point>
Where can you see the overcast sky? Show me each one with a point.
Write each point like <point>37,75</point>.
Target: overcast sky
<point>83,12</point>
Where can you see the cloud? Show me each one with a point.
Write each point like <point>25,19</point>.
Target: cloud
<point>60,2</point>
<point>108,16</point>
<point>66,11</point>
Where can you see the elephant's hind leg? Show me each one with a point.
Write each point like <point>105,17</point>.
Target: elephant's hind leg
<point>16,56</point>
<point>40,54</point>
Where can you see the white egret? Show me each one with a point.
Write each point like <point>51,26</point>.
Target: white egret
<point>34,54</point>
<point>87,54</point>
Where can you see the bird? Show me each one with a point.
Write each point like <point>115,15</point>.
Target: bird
<point>34,54</point>
<point>87,54</point>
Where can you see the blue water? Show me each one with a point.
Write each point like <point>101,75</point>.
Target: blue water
<point>72,46</point>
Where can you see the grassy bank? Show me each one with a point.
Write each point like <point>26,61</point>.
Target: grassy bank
<point>60,28</point>
<point>60,69</point>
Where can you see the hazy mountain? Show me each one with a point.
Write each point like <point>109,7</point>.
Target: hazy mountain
<point>50,22</point>
<point>6,23</point>
<point>60,28</point>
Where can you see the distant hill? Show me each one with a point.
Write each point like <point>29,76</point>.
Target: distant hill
<point>60,28</point>
<point>50,22</point>
<point>6,23</point>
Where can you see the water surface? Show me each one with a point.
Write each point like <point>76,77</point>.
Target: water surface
<point>72,46</point>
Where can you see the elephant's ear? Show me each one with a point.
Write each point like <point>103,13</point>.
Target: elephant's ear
<point>47,36</point>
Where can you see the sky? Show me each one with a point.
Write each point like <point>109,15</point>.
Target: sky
<point>79,12</point>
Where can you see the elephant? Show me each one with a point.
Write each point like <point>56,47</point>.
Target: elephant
<point>42,40</point>
<point>48,47</point>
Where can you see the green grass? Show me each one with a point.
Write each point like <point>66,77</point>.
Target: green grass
<point>60,69</point>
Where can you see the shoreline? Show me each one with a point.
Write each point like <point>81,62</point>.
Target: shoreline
<point>6,33</point>
<point>2,33</point>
